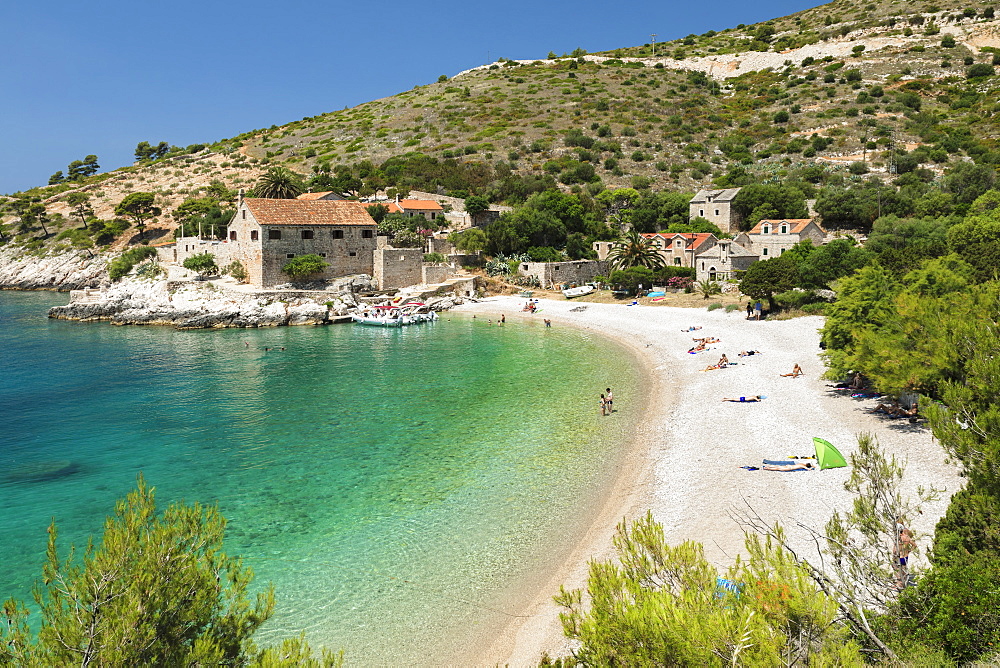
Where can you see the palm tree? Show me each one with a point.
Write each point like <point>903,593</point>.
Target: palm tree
<point>279,183</point>
<point>634,250</point>
<point>708,288</point>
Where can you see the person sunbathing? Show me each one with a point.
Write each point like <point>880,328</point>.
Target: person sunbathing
<point>697,348</point>
<point>747,353</point>
<point>691,329</point>
<point>743,400</point>
<point>895,411</point>
<point>796,372</point>
<point>802,466</point>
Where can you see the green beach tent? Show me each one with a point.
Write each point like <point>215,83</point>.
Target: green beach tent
<point>828,456</point>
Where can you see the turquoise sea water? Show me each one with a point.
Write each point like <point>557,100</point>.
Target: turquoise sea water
<point>404,489</point>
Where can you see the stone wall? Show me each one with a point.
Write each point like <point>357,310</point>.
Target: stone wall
<point>433,273</point>
<point>550,274</point>
<point>397,267</point>
<point>186,247</point>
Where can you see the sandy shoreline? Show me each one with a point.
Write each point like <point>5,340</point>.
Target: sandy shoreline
<point>683,462</point>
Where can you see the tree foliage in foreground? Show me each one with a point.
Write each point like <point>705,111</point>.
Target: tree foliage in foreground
<point>279,183</point>
<point>156,591</point>
<point>665,605</point>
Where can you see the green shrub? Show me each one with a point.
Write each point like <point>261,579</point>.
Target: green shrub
<point>732,307</point>
<point>304,265</point>
<point>434,258</point>
<point>713,306</point>
<point>236,270</point>
<point>123,264</point>
<point>979,70</point>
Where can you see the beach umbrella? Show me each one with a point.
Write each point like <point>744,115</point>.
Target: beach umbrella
<point>827,456</point>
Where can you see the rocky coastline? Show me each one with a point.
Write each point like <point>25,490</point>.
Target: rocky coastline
<point>74,270</point>
<point>218,304</point>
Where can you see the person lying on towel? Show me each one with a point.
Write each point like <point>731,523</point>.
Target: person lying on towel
<point>743,400</point>
<point>802,466</point>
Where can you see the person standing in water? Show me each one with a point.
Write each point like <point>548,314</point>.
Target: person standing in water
<point>604,405</point>
<point>610,401</point>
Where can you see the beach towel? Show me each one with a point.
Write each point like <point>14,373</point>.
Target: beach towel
<point>779,462</point>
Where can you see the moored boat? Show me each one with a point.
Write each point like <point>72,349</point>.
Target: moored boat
<point>578,291</point>
<point>395,316</point>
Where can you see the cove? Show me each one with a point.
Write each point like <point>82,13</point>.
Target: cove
<point>400,487</point>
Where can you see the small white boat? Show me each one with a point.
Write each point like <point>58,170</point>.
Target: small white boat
<point>578,292</point>
<point>395,316</point>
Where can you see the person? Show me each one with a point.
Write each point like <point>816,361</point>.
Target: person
<point>749,310</point>
<point>610,401</point>
<point>747,353</point>
<point>604,405</point>
<point>800,466</point>
<point>548,323</point>
<point>758,308</point>
<point>743,400</point>
<point>904,544</point>
<point>796,372</point>
<point>503,319</point>
<point>723,361</point>
<point>895,411</point>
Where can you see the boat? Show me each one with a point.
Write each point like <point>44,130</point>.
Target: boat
<point>578,292</point>
<point>395,316</point>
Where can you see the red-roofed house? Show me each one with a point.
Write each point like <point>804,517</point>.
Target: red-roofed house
<point>269,232</point>
<point>429,209</point>
<point>677,248</point>
<point>772,237</point>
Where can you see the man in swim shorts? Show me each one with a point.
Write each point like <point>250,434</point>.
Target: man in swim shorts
<point>744,400</point>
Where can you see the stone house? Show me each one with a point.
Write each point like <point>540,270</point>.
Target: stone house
<point>772,237</point>
<point>429,209</point>
<point>716,206</point>
<point>722,261</point>
<point>266,233</point>
<point>396,267</point>
<point>678,249</point>
<point>552,274</point>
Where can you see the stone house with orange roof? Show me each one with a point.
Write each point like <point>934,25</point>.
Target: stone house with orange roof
<point>266,233</point>
<point>772,237</point>
<point>678,249</point>
<point>429,209</point>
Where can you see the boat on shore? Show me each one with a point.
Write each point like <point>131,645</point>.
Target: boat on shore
<point>395,316</point>
<point>578,292</point>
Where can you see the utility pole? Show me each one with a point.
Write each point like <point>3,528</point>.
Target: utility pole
<point>653,37</point>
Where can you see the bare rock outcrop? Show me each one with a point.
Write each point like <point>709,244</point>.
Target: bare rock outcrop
<point>74,270</point>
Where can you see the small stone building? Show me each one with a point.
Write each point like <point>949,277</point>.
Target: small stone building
<point>397,267</point>
<point>716,206</point>
<point>326,195</point>
<point>722,261</point>
<point>428,209</point>
<point>553,274</point>
<point>772,237</point>
<point>266,233</point>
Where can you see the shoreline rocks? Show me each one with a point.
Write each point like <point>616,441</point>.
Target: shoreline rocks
<point>215,305</point>
<point>74,270</point>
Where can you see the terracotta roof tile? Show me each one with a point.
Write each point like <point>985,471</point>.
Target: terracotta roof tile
<point>311,196</point>
<point>797,225</point>
<point>308,212</point>
<point>419,205</point>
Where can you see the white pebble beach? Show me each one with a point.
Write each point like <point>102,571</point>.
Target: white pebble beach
<point>684,460</point>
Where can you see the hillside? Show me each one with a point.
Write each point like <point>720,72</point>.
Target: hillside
<point>840,83</point>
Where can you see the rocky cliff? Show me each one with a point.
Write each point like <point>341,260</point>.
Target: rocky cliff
<point>74,270</point>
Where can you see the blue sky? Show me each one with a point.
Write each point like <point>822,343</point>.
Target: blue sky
<point>97,78</point>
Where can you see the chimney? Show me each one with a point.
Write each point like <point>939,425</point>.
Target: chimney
<point>239,198</point>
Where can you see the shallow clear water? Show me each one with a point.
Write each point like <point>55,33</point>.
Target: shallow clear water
<point>402,488</point>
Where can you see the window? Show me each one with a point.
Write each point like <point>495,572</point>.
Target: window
<point>701,212</point>
<point>677,261</point>
<point>366,234</point>
<point>352,254</point>
<point>232,235</point>
<point>764,252</point>
<point>338,234</point>
<point>557,267</point>
<point>322,254</point>
<point>781,252</point>
<point>244,214</point>
<point>290,255</point>
<point>766,229</point>
<point>433,216</point>
<point>253,235</point>
<point>784,229</point>
<point>307,234</point>
<point>716,212</point>
<point>274,234</point>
